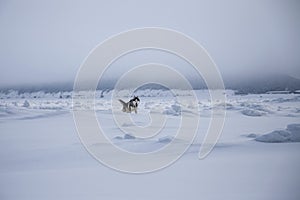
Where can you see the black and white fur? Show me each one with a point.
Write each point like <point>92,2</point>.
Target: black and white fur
<point>130,105</point>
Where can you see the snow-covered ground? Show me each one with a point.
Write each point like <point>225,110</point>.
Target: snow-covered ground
<point>257,156</point>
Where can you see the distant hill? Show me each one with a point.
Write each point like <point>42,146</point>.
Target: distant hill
<point>264,83</point>
<point>243,85</point>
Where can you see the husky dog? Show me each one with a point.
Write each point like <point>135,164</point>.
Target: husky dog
<point>130,105</point>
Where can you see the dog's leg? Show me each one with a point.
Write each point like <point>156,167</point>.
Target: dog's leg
<point>129,109</point>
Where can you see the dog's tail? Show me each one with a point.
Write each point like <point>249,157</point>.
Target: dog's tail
<point>124,105</point>
<point>122,102</point>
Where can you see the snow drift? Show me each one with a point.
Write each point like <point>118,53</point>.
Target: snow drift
<point>290,134</point>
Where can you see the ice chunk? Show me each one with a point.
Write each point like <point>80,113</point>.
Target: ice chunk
<point>252,135</point>
<point>275,136</point>
<point>252,113</point>
<point>174,110</point>
<point>118,137</point>
<point>127,136</point>
<point>26,104</point>
<point>290,134</point>
<point>166,139</point>
<point>294,129</point>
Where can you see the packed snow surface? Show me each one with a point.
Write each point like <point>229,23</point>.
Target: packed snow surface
<point>256,157</point>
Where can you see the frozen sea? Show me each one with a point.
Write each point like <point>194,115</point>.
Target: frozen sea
<point>256,157</point>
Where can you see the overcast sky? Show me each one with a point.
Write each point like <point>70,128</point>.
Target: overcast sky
<point>46,41</point>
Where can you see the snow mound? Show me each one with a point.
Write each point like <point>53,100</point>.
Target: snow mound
<point>290,134</point>
<point>294,129</point>
<point>166,139</point>
<point>26,104</point>
<point>118,138</point>
<point>275,137</point>
<point>283,100</point>
<point>252,113</point>
<point>129,137</point>
<point>174,110</point>
<point>255,109</point>
<point>251,135</point>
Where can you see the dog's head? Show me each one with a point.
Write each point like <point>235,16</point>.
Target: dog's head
<point>136,99</point>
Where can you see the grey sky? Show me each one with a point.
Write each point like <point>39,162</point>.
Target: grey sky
<point>46,41</point>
